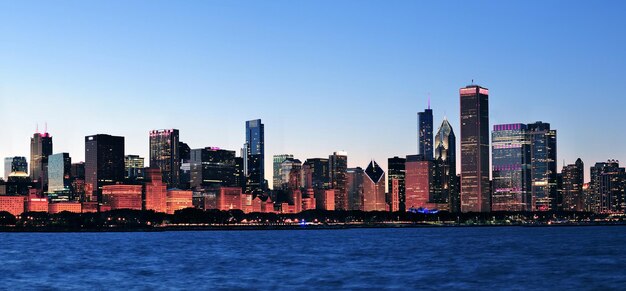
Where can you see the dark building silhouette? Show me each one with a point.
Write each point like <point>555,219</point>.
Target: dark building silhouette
<point>543,157</point>
<point>396,175</point>
<point>40,149</point>
<point>337,166</point>
<point>316,173</point>
<point>212,167</point>
<point>165,155</point>
<point>572,190</point>
<point>425,133</point>
<point>255,157</point>
<point>475,191</point>
<point>104,163</point>
<point>354,188</point>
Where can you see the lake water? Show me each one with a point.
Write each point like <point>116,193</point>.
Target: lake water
<point>414,258</point>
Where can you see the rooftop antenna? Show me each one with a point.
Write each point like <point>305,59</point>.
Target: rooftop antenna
<point>429,100</point>
<point>37,128</point>
<point>472,81</point>
<point>45,129</point>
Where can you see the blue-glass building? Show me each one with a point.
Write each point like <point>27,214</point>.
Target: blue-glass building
<point>510,154</point>
<point>255,156</point>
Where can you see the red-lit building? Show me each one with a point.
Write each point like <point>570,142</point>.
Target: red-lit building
<point>75,207</point>
<point>257,204</point>
<point>229,198</point>
<point>155,191</point>
<point>89,207</point>
<point>374,188</point>
<point>122,197</point>
<point>178,199</point>
<point>394,195</point>
<point>12,204</point>
<point>246,203</point>
<point>418,182</point>
<point>327,201</point>
<point>35,204</point>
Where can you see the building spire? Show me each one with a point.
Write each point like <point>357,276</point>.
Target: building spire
<point>429,100</point>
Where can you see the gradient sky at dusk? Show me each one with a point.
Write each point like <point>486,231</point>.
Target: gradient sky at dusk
<point>322,75</point>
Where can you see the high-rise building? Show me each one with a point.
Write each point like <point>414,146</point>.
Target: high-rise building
<point>133,167</point>
<point>543,159</point>
<point>395,183</point>
<point>277,178</point>
<point>337,167</point>
<point>40,149</point>
<point>425,133</point>
<point>511,168</point>
<point>445,165</point>
<point>354,188</point>
<point>13,165</point>
<point>255,156</point>
<point>165,154</point>
<point>475,191</point>
<point>572,191</point>
<point>419,182</point>
<point>607,187</point>
<point>374,188</point>
<point>290,173</point>
<point>316,173</point>
<point>77,178</point>
<point>59,172</point>
<point>212,167</point>
<point>104,162</point>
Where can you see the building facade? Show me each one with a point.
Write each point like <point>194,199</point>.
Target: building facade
<point>165,154</point>
<point>13,165</point>
<point>425,133</point>
<point>40,149</point>
<point>396,175</point>
<point>338,166</point>
<point>511,169</point>
<point>255,157</point>
<point>445,164</point>
<point>475,191</point>
<point>572,191</point>
<point>104,162</point>
<point>374,188</point>
<point>543,157</point>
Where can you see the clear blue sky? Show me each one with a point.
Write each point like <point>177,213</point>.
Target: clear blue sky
<point>323,75</point>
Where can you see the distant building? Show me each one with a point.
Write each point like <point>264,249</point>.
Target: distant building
<point>316,173</point>
<point>572,191</point>
<point>445,165</point>
<point>425,133</point>
<point>511,153</point>
<point>14,164</point>
<point>277,178</point>
<point>289,175</point>
<point>337,166</point>
<point>212,167</point>
<point>419,182</point>
<point>396,175</point>
<point>374,188</point>
<point>354,188</point>
<point>165,155</point>
<point>133,167</point>
<point>607,187</point>
<point>75,207</point>
<point>255,156</point>
<point>229,198</point>
<point>475,191</point>
<point>155,191</point>
<point>543,159</point>
<point>35,204</point>
<point>59,172</point>
<point>104,162</point>
<point>40,149</point>
<point>179,199</point>
<point>122,196</point>
<point>12,204</point>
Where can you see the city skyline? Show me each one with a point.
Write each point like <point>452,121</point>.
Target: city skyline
<point>302,82</point>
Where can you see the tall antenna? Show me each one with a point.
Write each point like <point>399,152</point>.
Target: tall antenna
<point>428,100</point>
<point>45,129</point>
<point>37,128</point>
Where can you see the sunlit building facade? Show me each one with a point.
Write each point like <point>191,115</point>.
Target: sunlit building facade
<point>155,196</point>
<point>374,188</point>
<point>122,197</point>
<point>40,149</point>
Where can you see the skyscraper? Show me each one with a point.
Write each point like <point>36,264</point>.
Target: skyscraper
<point>511,168</point>
<point>396,175</point>
<point>425,133</point>
<point>419,182</point>
<point>14,164</point>
<point>277,160</point>
<point>475,192</point>
<point>165,155</point>
<point>104,162</point>
<point>354,188</point>
<point>255,156</point>
<point>445,164</point>
<point>573,180</point>
<point>315,173</point>
<point>607,187</point>
<point>40,149</point>
<point>543,159</point>
<point>212,167</point>
<point>59,172</point>
<point>290,173</point>
<point>133,167</point>
<point>374,188</point>
<point>337,166</point>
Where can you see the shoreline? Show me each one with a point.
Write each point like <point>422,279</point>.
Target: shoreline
<point>175,228</point>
